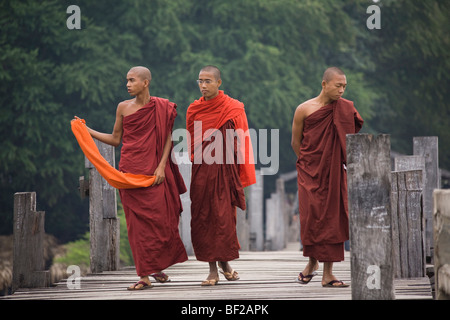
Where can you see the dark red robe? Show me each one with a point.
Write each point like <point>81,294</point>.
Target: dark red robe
<point>152,213</point>
<point>322,180</point>
<point>217,188</point>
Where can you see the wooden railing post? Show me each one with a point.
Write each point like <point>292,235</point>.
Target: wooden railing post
<point>441,217</point>
<point>369,188</point>
<point>28,252</point>
<point>427,147</point>
<point>256,213</point>
<point>185,167</point>
<point>407,224</point>
<point>103,220</point>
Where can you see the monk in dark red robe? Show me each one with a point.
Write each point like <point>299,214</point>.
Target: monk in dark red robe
<point>318,139</point>
<point>221,168</point>
<point>144,125</point>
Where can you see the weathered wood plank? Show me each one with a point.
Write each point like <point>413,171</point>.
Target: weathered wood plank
<point>268,275</point>
<point>407,224</point>
<point>369,188</point>
<point>103,220</point>
<point>441,217</point>
<point>256,213</point>
<point>428,148</point>
<point>28,247</point>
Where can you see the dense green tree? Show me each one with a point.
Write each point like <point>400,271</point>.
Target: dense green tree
<point>271,53</point>
<point>411,55</point>
<point>47,74</point>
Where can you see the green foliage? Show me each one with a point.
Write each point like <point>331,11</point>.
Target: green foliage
<point>126,256</point>
<point>271,53</point>
<point>77,252</point>
<point>412,64</point>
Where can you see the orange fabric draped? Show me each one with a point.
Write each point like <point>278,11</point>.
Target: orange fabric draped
<point>214,114</point>
<point>114,177</point>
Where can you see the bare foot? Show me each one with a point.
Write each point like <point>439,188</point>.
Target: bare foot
<point>211,280</point>
<point>312,266</point>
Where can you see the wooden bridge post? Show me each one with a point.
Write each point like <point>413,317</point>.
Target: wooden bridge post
<point>441,217</point>
<point>408,241</point>
<point>277,219</point>
<point>369,188</point>
<point>103,220</point>
<point>427,147</point>
<point>185,167</point>
<point>28,249</point>
<point>256,213</point>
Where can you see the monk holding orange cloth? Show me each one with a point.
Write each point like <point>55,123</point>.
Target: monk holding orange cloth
<point>318,139</point>
<point>222,167</point>
<point>149,182</point>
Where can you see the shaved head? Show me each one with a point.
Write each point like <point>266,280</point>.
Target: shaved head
<point>142,72</point>
<point>331,72</point>
<point>212,69</point>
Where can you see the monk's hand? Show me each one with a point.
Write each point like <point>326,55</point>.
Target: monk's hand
<point>159,175</point>
<point>75,118</point>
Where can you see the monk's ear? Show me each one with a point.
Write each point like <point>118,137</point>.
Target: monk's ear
<point>219,82</point>
<point>147,83</point>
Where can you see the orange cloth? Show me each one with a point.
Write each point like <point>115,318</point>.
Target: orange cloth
<point>114,177</point>
<point>214,114</point>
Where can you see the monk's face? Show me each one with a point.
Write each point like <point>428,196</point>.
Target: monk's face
<point>334,89</point>
<point>135,83</point>
<point>208,85</point>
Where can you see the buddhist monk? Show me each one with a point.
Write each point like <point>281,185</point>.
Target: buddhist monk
<point>318,139</point>
<point>144,126</point>
<point>218,180</point>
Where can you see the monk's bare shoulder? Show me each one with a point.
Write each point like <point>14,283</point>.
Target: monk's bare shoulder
<point>305,109</point>
<point>124,107</point>
<point>308,107</point>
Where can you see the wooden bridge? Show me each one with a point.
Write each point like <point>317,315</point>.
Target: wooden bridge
<point>267,275</point>
<point>387,261</point>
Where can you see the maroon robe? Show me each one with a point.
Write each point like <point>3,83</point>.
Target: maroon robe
<point>152,213</point>
<point>215,192</point>
<point>322,180</point>
<point>217,188</point>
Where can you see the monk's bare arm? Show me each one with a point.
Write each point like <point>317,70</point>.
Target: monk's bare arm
<point>297,129</point>
<point>115,137</point>
<point>159,172</point>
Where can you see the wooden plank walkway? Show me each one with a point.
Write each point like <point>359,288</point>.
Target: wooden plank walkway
<point>268,275</point>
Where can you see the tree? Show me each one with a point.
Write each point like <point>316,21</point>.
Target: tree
<point>271,53</point>
<point>47,73</point>
<point>410,53</point>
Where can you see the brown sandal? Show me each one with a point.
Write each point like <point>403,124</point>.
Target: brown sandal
<point>160,277</point>
<point>144,285</point>
<point>230,276</point>
<point>211,282</point>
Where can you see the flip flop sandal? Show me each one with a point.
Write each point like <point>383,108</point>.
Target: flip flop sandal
<point>230,276</point>
<point>144,284</point>
<point>301,278</point>
<point>160,277</point>
<point>211,282</point>
<point>332,282</point>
